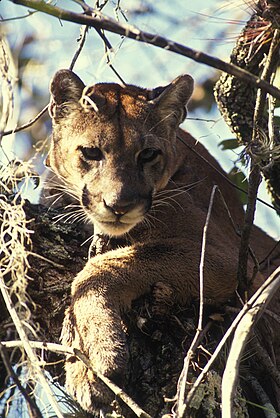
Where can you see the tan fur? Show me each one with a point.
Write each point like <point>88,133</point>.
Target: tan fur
<point>157,199</point>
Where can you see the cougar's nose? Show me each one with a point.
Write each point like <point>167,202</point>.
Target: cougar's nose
<point>119,208</point>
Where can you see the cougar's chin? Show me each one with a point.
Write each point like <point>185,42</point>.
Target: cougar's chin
<point>114,228</point>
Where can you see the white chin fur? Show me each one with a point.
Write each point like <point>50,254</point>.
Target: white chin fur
<point>112,229</point>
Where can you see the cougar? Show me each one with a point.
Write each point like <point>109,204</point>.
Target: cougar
<point>142,180</point>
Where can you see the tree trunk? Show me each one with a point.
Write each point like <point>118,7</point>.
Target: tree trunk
<point>236,99</point>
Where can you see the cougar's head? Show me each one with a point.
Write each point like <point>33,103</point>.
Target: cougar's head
<point>116,145</point>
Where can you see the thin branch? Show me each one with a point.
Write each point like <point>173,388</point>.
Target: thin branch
<point>129,31</point>
<point>182,382</point>
<point>246,307</point>
<point>55,348</point>
<point>82,40</point>
<point>114,388</point>
<point>268,312</point>
<point>8,81</point>
<point>241,335</point>
<point>19,17</point>
<point>270,252</point>
<point>28,349</point>
<point>108,48</point>
<point>238,233</point>
<point>32,406</point>
<point>61,349</point>
<point>71,66</point>
<point>253,186</point>
<point>92,12</point>
<point>28,124</point>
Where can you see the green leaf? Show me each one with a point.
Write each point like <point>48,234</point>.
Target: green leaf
<point>239,179</point>
<point>229,144</point>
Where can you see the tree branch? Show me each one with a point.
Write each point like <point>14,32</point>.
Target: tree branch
<point>32,406</point>
<point>27,124</point>
<point>241,336</point>
<point>182,382</point>
<point>129,31</point>
<point>273,277</point>
<point>28,349</point>
<point>65,350</point>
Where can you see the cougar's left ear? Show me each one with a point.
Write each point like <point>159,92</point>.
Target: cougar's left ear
<point>171,100</point>
<point>66,88</point>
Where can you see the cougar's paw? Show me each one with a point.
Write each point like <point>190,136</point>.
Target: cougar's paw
<point>100,337</point>
<point>85,387</point>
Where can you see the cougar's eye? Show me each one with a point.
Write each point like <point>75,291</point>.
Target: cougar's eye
<point>91,153</point>
<point>148,154</point>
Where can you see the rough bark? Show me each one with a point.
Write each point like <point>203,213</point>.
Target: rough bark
<point>236,99</point>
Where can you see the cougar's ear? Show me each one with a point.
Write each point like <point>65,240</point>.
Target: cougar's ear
<point>65,87</point>
<point>171,100</point>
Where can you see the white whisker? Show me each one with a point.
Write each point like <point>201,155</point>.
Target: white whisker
<point>151,218</point>
<point>87,240</point>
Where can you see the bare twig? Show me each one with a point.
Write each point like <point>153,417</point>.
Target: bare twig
<point>237,231</point>
<point>114,388</point>
<point>129,31</point>
<point>58,348</point>
<point>84,30</point>
<point>19,17</point>
<point>107,52</point>
<point>246,307</point>
<point>241,335</point>
<point>268,312</point>
<point>28,124</point>
<point>28,349</point>
<point>181,387</point>
<point>32,406</point>
<point>107,44</point>
<point>253,186</point>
